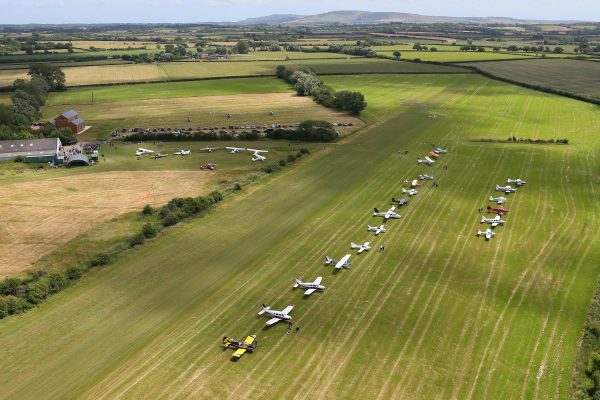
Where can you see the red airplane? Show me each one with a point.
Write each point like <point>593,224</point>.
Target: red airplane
<point>498,210</point>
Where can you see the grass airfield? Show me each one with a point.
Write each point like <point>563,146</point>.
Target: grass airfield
<point>440,314</point>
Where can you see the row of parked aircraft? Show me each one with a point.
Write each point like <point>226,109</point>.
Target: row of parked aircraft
<point>499,211</point>
<point>310,287</point>
<point>429,159</point>
<point>256,153</point>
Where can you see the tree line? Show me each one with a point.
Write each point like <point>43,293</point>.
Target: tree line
<point>28,96</point>
<point>307,83</point>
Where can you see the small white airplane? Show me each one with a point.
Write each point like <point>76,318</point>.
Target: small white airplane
<point>183,152</point>
<point>141,151</point>
<point>499,200</point>
<point>506,189</point>
<point>233,150</point>
<point>256,156</point>
<point>410,192</point>
<point>438,150</point>
<point>376,229</point>
<point>494,221</point>
<point>401,202</point>
<point>425,160</point>
<point>360,247</point>
<point>488,233</point>
<point>518,181</point>
<point>391,213</point>
<point>425,176</point>
<point>339,264</point>
<point>277,315</point>
<point>209,149</point>
<point>159,155</point>
<point>311,286</point>
<point>415,183</point>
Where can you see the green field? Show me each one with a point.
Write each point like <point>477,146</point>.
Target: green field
<point>456,56</point>
<point>574,76</point>
<point>376,65</point>
<point>440,314</point>
<point>167,90</point>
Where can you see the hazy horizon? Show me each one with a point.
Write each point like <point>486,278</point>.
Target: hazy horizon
<point>189,11</point>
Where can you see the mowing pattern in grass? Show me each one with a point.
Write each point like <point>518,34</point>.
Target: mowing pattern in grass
<point>439,314</point>
<point>576,76</point>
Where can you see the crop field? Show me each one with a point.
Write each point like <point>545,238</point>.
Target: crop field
<point>571,75</point>
<point>111,44</point>
<point>45,210</point>
<point>375,65</point>
<point>440,314</point>
<point>456,56</point>
<point>246,109</point>
<point>284,55</point>
<point>164,90</point>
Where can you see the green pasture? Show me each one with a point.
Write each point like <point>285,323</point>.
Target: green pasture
<point>375,65</point>
<point>439,314</point>
<point>456,56</point>
<point>165,90</point>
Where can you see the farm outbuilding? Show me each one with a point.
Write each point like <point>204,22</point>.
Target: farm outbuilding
<point>78,160</point>
<point>32,150</point>
<point>69,119</point>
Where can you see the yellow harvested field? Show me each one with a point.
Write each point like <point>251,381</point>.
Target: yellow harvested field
<point>107,44</point>
<point>8,76</point>
<point>104,74</point>
<point>40,216</point>
<point>211,110</point>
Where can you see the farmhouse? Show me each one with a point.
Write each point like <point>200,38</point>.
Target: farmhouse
<point>69,119</point>
<point>32,150</point>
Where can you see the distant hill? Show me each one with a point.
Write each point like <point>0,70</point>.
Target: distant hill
<point>367,17</point>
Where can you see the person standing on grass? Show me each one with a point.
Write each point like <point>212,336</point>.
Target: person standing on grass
<point>297,328</point>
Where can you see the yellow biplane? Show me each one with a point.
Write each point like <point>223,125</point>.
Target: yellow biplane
<point>248,345</point>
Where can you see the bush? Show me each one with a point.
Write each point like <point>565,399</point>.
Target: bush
<point>37,292</point>
<point>74,273</point>
<point>3,308</point>
<point>10,286</point>
<point>99,260</point>
<point>170,219</point>
<point>19,159</point>
<point>237,186</point>
<point>56,282</point>
<point>304,150</point>
<point>16,305</point>
<point>316,130</point>
<point>282,163</point>
<point>147,210</point>
<point>291,158</point>
<point>149,231</point>
<point>270,169</point>
<point>216,196</point>
<point>136,240</point>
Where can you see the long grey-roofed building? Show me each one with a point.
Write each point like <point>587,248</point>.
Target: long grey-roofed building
<point>32,150</point>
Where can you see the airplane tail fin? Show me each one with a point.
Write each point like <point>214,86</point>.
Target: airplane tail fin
<point>394,200</point>
<point>482,219</point>
<point>328,260</point>
<point>298,281</point>
<point>376,210</point>
<point>264,309</point>
<point>353,245</point>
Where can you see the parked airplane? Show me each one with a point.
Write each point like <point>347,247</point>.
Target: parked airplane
<point>233,150</point>
<point>410,192</point>
<point>391,213</point>
<point>360,247</point>
<point>248,345</point>
<point>141,151</point>
<point>425,160</point>
<point>499,200</point>
<point>494,221</point>
<point>425,176</point>
<point>311,286</point>
<point>488,233</point>
<point>497,210</point>
<point>343,263</point>
<point>376,229</point>
<point>256,156</point>
<point>159,155</point>
<point>183,152</point>
<point>438,150</point>
<point>277,315</point>
<point>401,202</point>
<point>209,149</point>
<point>518,181</point>
<point>506,189</point>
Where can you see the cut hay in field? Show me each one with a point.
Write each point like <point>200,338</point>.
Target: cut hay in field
<point>41,215</point>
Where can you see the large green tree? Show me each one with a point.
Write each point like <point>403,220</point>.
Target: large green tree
<point>51,73</point>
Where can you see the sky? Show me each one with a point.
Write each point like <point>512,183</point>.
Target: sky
<point>103,11</point>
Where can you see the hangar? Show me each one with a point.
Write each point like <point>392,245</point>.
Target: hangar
<point>32,150</point>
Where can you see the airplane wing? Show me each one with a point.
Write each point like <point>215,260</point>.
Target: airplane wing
<point>488,234</point>
<point>309,292</point>
<point>273,321</point>
<point>238,353</point>
<point>494,224</point>
<point>318,280</point>
<point>287,310</point>
<point>342,262</point>
<point>249,340</point>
